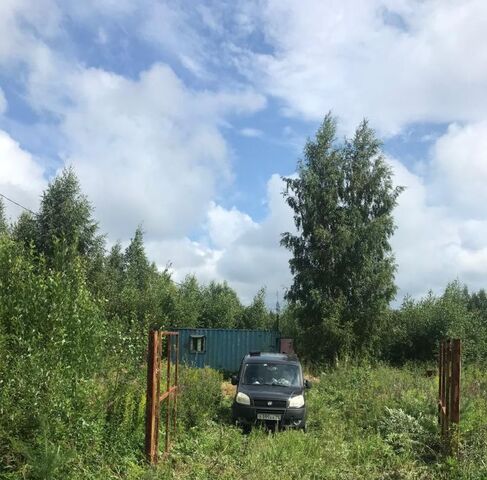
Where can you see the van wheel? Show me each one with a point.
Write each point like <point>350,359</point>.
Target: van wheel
<point>246,429</point>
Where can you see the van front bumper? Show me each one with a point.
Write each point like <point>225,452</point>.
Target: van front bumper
<point>290,417</point>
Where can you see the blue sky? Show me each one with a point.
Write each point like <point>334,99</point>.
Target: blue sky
<point>183,116</point>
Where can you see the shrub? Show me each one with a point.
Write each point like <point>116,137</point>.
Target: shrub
<point>201,396</point>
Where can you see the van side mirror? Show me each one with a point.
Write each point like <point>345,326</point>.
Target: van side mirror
<point>307,384</point>
<point>234,380</point>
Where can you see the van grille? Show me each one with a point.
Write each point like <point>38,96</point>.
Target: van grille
<point>258,402</point>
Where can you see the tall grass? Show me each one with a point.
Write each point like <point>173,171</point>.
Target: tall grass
<point>364,423</point>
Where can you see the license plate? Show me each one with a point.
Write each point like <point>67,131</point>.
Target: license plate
<point>268,416</point>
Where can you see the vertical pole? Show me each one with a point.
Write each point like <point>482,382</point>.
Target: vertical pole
<point>152,397</point>
<point>455,389</point>
<point>448,387</point>
<point>455,394</point>
<point>443,386</point>
<point>175,411</point>
<point>444,380</point>
<point>168,406</point>
<point>440,383</point>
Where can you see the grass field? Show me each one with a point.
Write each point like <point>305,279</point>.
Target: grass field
<point>364,423</point>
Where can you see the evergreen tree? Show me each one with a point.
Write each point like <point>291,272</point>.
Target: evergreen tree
<point>343,267</point>
<point>65,216</point>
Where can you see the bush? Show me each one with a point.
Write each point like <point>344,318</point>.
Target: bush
<point>201,396</point>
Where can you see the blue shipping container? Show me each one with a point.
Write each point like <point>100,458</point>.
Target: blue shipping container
<point>223,349</point>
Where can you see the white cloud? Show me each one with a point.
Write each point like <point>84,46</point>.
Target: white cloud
<point>22,23</point>
<point>255,258</point>
<point>21,177</point>
<point>460,169</point>
<point>147,151</point>
<point>3,102</point>
<point>434,244</point>
<point>225,226</point>
<point>244,253</point>
<point>251,132</point>
<point>396,62</point>
<point>185,257</point>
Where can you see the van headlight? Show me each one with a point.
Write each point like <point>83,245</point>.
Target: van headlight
<point>296,402</point>
<point>242,398</point>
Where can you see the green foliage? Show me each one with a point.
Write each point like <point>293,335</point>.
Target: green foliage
<point>189,303</point>
<point>415,330</point>
<point>256,315</point>
<point>25,229</point>
<point>4,227</point>
<point>342,263</point>
<point>201,396</point>
<point>73,332</point>
<point>221,307</point>
<point>66,215</point>
<point>53,344</point>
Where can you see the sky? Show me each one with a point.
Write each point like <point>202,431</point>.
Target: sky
<point>183,116</point>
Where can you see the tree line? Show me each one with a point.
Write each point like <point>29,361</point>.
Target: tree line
<point>338,305</point>
<point>132,292</point>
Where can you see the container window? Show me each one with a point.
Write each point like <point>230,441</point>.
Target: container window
<point>197,343</point>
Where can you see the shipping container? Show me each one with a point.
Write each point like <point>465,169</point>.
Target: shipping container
<point>223,349</point>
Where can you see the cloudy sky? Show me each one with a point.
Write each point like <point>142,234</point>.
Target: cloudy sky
<point>183,116</point>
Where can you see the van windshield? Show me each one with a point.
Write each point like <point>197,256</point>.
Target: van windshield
<point>272,374</point>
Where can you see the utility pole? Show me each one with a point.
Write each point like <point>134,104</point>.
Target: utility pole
<point>278,310</point>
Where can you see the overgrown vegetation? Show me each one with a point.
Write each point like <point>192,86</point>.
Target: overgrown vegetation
<point>73,329</point>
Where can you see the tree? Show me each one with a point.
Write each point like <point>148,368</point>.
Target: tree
<point>189,303</point>
<point>137,265</point>
<point>343,267</point>
<point>221,306</point>
<point>478,302</point>
<point>4,228</point>
<point>65,216</point>
<point>25,229</point>
<point>256,315</point>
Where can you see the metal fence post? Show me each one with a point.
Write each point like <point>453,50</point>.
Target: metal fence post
<point>152,397</point>
<point>449,367</point>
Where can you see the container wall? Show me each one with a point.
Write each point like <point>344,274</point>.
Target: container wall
<point>223,349</point>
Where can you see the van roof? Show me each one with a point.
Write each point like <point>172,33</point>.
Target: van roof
<point>262,357</point>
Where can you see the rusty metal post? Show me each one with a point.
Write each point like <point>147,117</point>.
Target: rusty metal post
<point>175,400</point>
<point>448,387</point>
<point>455,388</point>
<point>440,385</point>
<point>168,383</point>
<point>449,365</point>
<point>152,397</point>
<point>455,392</point>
